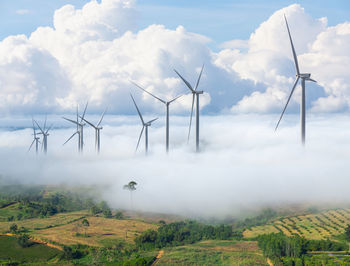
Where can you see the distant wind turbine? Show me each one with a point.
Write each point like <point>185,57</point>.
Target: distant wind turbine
<point>145,126</point>
<point>167,103</point>
<point>45,133</point>
<point>195,94</point>
<point>36,139</point>
<point>80,129</point>
<point>304,77</point>
<point>97,130</point>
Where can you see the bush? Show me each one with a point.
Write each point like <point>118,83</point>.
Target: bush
<point>23,241</point>
<point>119,215</point>
<point>14,228</point>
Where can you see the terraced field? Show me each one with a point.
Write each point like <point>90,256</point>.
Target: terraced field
<point>312,226</point>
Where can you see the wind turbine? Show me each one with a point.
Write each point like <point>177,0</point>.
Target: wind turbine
<point>45,133</point>
<point>304,77</point>
<point>97,131</point>
<point>195,94</point>
<point>80,129</point>
<point>36,139</point>
<point>167,103</point>
<point>145,125</point>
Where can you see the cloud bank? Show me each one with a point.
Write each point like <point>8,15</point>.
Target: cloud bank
<point>243,165</point>
<point>92,53</point>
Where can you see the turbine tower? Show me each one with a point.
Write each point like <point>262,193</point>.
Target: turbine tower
<point>97,131</point>
<point>80,129</point>
<point>195,94</point>
<point>167,103</point>
<point>36,140</point>
<point>145,126</point>
<point>45,133</point>
<point>304,77</point>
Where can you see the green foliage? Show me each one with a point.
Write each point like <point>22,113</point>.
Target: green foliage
<point>280,245</point>
<point>107,213</point>
<point>13,228</point>
<point>179,233</point>
<point>23,241</point>
<point>347,233</point>
<point>119,215</point>
<point>261,219</point>
<point>75,252</point>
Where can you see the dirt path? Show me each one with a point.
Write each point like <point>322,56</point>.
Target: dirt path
<point>160,254</point>
<point>269,262</point>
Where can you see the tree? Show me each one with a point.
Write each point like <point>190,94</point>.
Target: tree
<point>86,224</point>
<point>131,186</point>
<point>14,228</point>
<point>23,241</point>
<point>347,234</point>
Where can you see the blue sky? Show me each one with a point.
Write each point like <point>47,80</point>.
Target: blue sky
<point>228,19</point>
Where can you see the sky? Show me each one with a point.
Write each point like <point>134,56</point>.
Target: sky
<point>57,54</point>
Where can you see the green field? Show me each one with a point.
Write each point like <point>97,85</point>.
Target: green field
<point>323,225</point>
<point>214,252</point>
<point>11,251</point>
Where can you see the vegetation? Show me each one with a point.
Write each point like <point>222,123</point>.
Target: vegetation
<point>180,233</point>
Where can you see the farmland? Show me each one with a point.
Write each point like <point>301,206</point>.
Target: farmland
<point>323,225</point>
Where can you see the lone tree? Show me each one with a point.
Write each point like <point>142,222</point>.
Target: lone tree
<point>86,224</point>
<point>131,186</point>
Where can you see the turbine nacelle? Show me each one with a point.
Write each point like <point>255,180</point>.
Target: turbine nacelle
<point>303,75</point>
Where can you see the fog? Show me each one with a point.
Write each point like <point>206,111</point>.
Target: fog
<point>243,164</point>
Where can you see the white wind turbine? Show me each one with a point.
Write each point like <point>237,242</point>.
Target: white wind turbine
<point>145,126</point>
<point>167,103</point>
<point>80,129</point>
<point>36,139</point>
<point>97,130</point>
<point>195,94</point>
<point>45,133</point>
<point>304,77</point>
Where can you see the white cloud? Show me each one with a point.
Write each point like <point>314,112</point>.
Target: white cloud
<point>91,54</point>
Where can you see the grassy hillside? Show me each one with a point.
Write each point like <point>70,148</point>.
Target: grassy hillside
<point>11,251</point>
<point>323,225</point>
<point>214,252</point>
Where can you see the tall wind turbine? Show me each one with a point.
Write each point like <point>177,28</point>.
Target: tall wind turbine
<point>97,131</point>
<point>36,140</point>
<point>80,129</point>
<point>304,77</point>
<point>145,126</point>
<point>195,94</point>
<point>167,103</point>
<point>45,133</point>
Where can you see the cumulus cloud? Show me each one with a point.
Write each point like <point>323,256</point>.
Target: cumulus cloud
<point>321,51</point>
<point>92,53</point>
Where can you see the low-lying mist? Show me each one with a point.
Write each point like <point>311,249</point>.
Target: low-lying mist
<point>243,164</point>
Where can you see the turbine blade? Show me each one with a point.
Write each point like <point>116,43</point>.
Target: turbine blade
<point>199,77</point>
<point>159,99</point>
<point>291,43</point>
<point>70,120</point>
<point>31,145</point>
<point>189,129</point>
<point>173,100</point>
<point>138,142</point>
<point>47,131</point>
<point>70,137</point>
<point>186,82</point>
<point>311,80</point>
<point>39,127</point>
<point>137,109</point>
<point>77,119</point>
<point>285,107</point>
<point>45,122</point>
<point>99,122</point>
<point>85,110</point>
<point>88,122</point>
<point>33,127</point>
<point>151,121</point>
